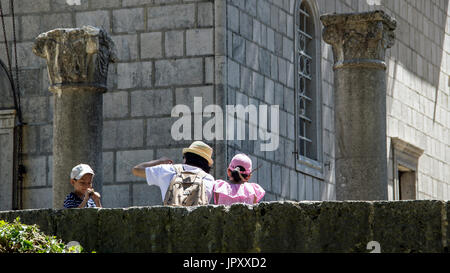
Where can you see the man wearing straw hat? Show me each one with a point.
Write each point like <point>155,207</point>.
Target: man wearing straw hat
<point>195,169</point>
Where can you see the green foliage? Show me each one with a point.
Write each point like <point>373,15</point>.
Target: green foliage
<point>19,238</point>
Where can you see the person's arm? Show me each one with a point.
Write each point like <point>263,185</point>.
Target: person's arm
<point>216,198</point>
<point>139,170</point>
<point>96,197</point>
<point>85,200</point>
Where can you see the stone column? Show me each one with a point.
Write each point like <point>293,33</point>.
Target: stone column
<point>77,62</point>
<point>359,43</point>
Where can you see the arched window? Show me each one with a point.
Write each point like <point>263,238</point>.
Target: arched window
<point>307,88</point>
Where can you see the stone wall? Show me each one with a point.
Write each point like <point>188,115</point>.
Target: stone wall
<point>229,52</point>
<point>165,56</point>
<point>418,89</point>
<point>260,47</point>
<point>403,226</point>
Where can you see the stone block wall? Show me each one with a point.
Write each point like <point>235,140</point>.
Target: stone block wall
<point>260,55</point>
<point>312,227</point>
<point>418,89</point>
<point>229,52</point>
<point>165,55</point>
<point>260,44</point>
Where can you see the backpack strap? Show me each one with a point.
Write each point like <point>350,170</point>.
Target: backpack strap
<point>178,169</point>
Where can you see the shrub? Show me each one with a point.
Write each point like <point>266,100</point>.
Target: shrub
<point>19,238</point>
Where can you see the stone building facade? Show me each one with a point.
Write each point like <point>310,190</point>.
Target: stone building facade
<point>231,52</point>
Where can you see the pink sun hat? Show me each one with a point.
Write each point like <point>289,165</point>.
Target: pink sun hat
<point>241,160</point>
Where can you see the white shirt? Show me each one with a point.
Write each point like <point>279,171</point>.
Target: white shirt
<point>161,175</point>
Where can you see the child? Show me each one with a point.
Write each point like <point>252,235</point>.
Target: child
<point>238,190</point>
<point>83,194</point>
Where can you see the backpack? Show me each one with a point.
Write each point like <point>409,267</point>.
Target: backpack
<point>186,188</point>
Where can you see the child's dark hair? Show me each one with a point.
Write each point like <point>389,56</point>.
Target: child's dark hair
<point>237,176</point>
<point>197,161</point>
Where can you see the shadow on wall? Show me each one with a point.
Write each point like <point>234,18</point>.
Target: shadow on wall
<point>419,46</point>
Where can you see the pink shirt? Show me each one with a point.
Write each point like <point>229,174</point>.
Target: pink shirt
<point>229,193</point>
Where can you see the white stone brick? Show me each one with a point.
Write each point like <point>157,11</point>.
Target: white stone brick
<point>26,6</point>
<point>126,160</point>
<point>170,17</point>
<point>233,18</point>
<point>301,186</point>
<point>30,139</point>
<point>36,109</point>
<point>38,198</point>
<point>175,154</point>
<point>159,133</point>
<point>256,31</point>
<point>290,26</point>
<point>199,42</point>
<point>233,74</point>
<point>205,14</point>
<point>128,3</point>
<point>151,102</point>
<point>103,4</point>
<point>263,11</point>
<point>282,21</point>
<point>108,167</point>
<point>151,45</point>
<point>309,188</point>
<point>98,18</point>
<point>123,134</point>
<point>174,43</point>
<point>46,138</point>
<point>316,189</point>
<point>33,25</point>
<point>289,100</point>
<point>50,171</point>
<point>293,188</point>
<point>276,179</point>
<point>126,46</point>
<point>128,20</point>
<point>264,36</point>
<point>179,72</point>
<point>132,75</point>
<point>209,70</point>
<point>145,195</point>
<point>36,174</point>
<point>26,57</point>
<point>116,196</point>
<point>269,91</point>
<point>270,39</point>
<point>186,96</point>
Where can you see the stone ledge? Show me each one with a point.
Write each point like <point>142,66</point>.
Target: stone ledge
<point>332,226</point>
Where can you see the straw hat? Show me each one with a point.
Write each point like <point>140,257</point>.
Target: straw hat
<point>202,149</point>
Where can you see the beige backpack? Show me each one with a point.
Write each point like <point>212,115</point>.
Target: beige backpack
<point>186,188</point>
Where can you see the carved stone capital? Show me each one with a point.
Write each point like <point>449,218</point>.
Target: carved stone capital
<point>359,39</point>
<point>76,56</point>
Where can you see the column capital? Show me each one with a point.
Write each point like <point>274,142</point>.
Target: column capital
<point>359,39</point>
<point>76,57</point>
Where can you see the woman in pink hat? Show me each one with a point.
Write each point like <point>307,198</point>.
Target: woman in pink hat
<point>238,189</point>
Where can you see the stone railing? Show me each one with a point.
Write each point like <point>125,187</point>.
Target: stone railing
<point>401,226</point>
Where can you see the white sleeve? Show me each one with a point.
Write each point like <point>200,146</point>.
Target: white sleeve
<point>160,175</point>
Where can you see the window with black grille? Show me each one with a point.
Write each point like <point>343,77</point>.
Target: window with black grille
<point>307,62</point>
